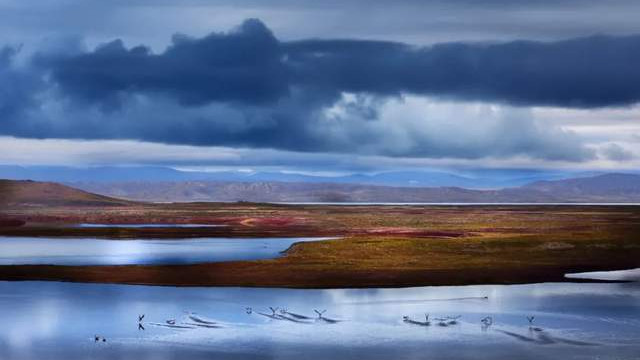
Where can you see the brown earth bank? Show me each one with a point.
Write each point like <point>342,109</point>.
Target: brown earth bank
<point>386,246</point>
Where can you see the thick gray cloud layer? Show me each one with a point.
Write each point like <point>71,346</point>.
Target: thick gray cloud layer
<point>250,66</point>
<point>246,88</point>
<point>17,87</point>
<point>242,66</point>
<point>586,72</point>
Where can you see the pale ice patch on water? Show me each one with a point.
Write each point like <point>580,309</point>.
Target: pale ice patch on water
<point>616,275</point>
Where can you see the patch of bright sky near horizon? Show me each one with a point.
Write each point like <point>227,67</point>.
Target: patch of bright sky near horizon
<point>602,138</point>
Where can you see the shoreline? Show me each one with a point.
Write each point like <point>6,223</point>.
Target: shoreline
<point>377,246</point>
<point>24,273</point>
<point>272,273</point>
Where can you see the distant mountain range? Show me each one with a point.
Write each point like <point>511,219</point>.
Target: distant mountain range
<point>469,179</point>
<point>607,188</point>
<point>622,188</point>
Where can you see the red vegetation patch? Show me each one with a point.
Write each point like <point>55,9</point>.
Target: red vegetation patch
<point>414,232</point>
<point>272,221</point>
<point>504,230</point>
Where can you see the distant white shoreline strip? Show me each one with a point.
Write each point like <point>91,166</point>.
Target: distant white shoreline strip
<point>448,203</point>
<point>614,275</point>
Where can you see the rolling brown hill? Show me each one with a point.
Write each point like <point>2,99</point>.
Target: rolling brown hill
<point>26,193</point>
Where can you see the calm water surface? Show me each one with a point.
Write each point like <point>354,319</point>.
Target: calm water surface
<point>49,320</point>
<point>78,251</point>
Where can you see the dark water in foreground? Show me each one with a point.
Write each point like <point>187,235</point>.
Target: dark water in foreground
<point>48,320</point>
<point>83,251</point>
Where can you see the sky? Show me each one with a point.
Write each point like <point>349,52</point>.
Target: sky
<point>327,87</point>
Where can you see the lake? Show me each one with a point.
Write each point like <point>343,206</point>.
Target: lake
<point>56,321</point>
<point>87,251</point>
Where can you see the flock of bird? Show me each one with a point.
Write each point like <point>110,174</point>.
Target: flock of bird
<point>441,321</point>
<point>191,321</point>
<point>285,315</point>
<point>485,322</point>
<point>194,321</point>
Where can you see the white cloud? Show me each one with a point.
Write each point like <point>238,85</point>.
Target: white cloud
<point>432,128</point>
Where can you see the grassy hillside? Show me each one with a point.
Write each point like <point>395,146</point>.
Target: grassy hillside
<point>25,193</point>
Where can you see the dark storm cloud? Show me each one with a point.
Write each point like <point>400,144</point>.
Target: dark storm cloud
<point>250,66</point>
<point>587,72</point>
<point>245,88</point>
<point>242,66</point>
<point>17,86</point>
